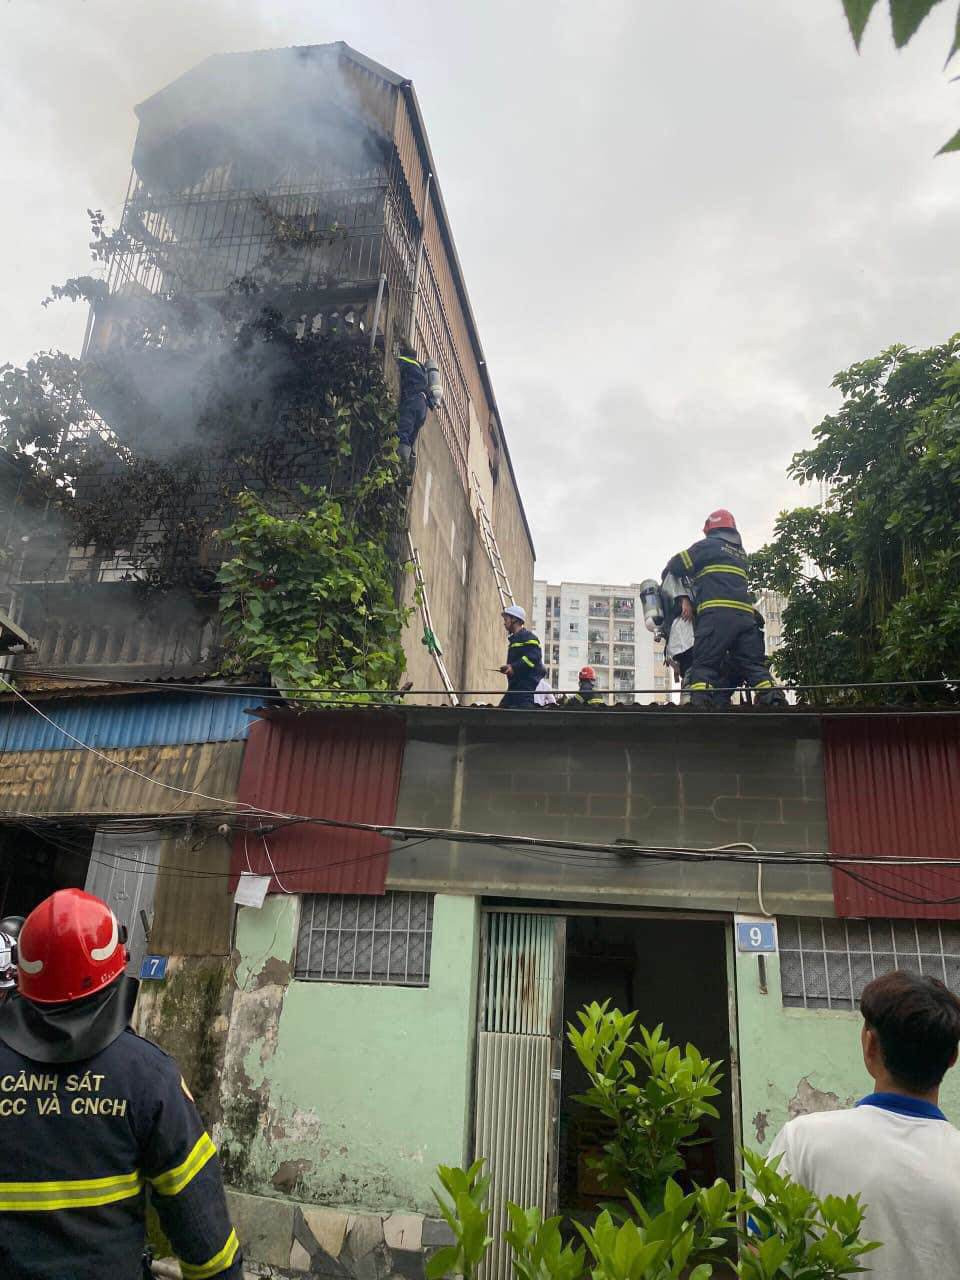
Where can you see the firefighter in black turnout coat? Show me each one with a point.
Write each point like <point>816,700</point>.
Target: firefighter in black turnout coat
<point>524,667</point>
<point>420,390</point>
<point>91,1116</point>
<point>727,642</point>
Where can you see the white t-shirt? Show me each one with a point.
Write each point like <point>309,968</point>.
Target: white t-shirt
<point>906,1169</point>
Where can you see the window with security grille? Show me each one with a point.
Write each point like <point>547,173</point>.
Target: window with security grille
<point>825,964</point>
<point>362,938</point>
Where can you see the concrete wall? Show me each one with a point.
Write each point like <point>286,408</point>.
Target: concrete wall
<point>343,1094</point>
<point>664,778</point>
<point>461,586</point>
<point>793,1061</point>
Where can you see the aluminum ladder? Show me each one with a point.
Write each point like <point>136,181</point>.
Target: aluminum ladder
<point>429,635</point>
<point>490,545</point>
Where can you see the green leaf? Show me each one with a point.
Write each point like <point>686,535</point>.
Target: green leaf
<point>906,16</point>
<point>443,1262</point>
<point>858,11</point>
<point>952,145</point>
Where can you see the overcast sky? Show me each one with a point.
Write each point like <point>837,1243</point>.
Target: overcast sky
<point>677,218</point>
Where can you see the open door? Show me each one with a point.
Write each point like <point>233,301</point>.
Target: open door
<point>123,872</point>
<point>519,1052</point>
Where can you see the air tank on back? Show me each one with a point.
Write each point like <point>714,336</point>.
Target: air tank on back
<point>651,604</point>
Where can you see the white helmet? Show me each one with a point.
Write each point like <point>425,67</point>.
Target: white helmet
<point>515,611</point>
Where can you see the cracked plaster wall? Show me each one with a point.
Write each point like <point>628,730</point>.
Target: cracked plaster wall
<point>344,1094</point>
<point>794,1061</point>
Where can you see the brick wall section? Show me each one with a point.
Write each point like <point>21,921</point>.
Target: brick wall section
<point>661,778</point>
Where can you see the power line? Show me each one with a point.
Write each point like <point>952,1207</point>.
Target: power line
<point>291,693</point>
<point>621,850</point>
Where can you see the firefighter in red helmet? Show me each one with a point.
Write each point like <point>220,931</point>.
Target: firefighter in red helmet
<point>93,1115</point>
<point>727,643</point>
<point>586,695</point>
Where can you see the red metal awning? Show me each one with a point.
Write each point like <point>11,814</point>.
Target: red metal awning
<point>893,788</point>
<point>328,764</point>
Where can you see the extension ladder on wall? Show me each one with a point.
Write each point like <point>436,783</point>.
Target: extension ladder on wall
<point>491,546</point>
<point>429,635</point>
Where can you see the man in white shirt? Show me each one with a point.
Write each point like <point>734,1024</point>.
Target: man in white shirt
<point>896,1148</point>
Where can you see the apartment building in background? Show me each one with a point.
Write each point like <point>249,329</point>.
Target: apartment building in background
<point>598,625</point>
<point>772,604</point>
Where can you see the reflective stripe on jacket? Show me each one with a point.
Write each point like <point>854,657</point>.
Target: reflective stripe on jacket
<point>717,566</point>
<point>81,1143</point>
<point>526,659</point>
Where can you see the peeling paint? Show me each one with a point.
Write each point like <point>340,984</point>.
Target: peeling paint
<point>808,1100</point>
<point>324,1083</point>
<point>761,1122</point>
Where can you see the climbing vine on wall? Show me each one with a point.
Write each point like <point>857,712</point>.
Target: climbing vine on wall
<point>226,448</point>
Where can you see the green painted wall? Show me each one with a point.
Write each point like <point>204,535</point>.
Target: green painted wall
<point>793,1061</point>
<point>360,1091</point>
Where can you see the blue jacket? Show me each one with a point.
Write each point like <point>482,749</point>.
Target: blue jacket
<point>526,659</point>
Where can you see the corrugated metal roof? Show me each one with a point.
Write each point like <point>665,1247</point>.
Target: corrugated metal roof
<point>892,788</point>
<point>151,720</point>
<point>75,782</point>
<point>331,765</point>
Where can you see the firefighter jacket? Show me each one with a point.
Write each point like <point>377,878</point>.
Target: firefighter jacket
<point>717,566</point>
<point>413,377</point>
<point>80,1145</point>
<point>525,659</point>
<point>585,698</point>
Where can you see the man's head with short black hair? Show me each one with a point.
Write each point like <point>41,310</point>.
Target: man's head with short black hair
<point>915,1025</point>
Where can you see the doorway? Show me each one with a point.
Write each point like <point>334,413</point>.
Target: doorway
<point>538,968</point>
<point>672,972</point>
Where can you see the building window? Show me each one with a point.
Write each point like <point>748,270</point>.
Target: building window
<point>574,627</point>
<point>574,604</point>
<point>573,651</point>
<point>365,938</point>
<point>825,964</point>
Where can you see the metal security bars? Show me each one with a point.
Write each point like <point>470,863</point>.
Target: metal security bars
<point>358,938</point>
<point>825,964</point>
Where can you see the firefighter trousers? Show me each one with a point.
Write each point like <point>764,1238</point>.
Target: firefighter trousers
<point>410,418</point>
<point>728,648</point>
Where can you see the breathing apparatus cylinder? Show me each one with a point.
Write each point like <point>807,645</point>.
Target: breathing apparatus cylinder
<point>651,604</point>
<point>434,383</point>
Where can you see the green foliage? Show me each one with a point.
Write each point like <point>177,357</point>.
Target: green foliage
<point>233,432</point>
<point>467,1217</point>
<point>654,1095</point>
<point>798,1234</point>
<point>309,597</point>
<point>686,1233</point>
<point>906,17</point>
<point>539,1250</point>
<point>782,1231</point>
<point>873,573</point>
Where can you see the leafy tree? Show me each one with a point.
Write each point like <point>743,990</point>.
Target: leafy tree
<point>873,573</point>
<point>906,17</point>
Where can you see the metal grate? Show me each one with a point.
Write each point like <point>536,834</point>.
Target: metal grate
<point>359,938</point>
<point>825,964</point>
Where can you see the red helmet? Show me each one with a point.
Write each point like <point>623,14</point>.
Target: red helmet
<point>719,519</point>
<point>587,673</point>
<point>69,947</point>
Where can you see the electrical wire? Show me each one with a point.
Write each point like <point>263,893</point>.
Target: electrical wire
<point>293,692</point>
<point>655,853</point>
